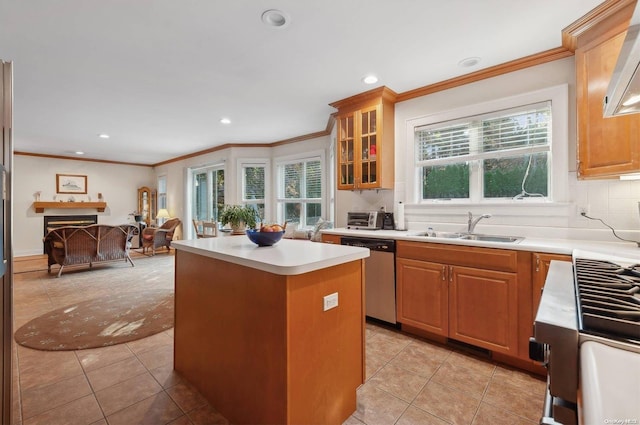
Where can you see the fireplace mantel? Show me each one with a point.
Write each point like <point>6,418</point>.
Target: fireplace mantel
<point>41,206</point>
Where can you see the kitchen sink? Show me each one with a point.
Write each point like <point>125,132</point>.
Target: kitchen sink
<point>448,235</point>
<point>492,238</point>
<point>471,237</point>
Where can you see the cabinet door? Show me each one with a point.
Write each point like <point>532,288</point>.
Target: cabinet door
<point>346,152</point>
<point>422,295</point>
<point>540,270</point>
<point>367,174</point>
<point>606,146</point>
<point>334,239</point>
<point>483,308</point>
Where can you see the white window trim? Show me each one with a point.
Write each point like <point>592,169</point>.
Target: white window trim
<point>558,173</point>
<point>288,159</point>
<point>257,162</point>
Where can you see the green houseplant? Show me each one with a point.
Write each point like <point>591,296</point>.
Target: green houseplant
<point>238,217</point>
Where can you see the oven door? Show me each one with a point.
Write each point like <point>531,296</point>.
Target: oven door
<point>609,385</point>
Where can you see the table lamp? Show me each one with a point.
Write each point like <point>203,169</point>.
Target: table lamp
<point>162,216</point>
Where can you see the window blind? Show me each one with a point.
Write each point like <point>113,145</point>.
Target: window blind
<point>494,135</point>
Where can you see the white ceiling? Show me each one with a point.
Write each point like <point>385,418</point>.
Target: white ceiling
<point>157,75</point>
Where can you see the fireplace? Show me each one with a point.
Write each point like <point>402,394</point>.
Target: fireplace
<point>54,221</point>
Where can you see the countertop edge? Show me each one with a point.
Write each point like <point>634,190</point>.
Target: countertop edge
<point>267,264</point>
<point>532,244</point>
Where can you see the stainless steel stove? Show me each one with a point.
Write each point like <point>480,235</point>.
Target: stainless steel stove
<point>587,331</point>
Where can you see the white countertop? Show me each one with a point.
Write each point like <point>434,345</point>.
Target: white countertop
<point>546,245</point>
<point>287,257</point>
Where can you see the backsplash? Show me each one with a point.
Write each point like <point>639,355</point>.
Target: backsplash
<point>613,201</point>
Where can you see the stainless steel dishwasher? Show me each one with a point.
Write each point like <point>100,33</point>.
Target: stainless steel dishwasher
<point>380,277</point>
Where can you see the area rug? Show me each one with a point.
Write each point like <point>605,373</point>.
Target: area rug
<point>100,322</point>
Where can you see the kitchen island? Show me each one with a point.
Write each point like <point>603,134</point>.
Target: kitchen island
<point>256,331</point>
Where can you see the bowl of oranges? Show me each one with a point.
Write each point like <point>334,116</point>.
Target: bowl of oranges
<point>266,235</point>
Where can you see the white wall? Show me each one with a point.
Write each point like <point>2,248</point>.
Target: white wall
<point>118,183</point>
<point>614,201</point>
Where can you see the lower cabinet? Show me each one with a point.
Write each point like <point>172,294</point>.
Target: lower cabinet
<point>479,296</point>
<point>335,239</point>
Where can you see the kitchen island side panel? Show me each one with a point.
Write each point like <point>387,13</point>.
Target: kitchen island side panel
<point>230,337</point>
<point>259,346</point>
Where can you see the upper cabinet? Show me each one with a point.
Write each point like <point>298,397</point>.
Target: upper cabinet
<point>365,147</point>
<point>607,147</point>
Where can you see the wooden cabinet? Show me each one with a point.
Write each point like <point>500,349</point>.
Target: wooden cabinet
<point>147,204</point>
<point>335,239</point>
<point>607,147</point>
<point>365,147</point>
<point>539,273</point>
<point>469,294</point>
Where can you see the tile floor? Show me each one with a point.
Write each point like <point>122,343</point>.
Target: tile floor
<point>409,380</point>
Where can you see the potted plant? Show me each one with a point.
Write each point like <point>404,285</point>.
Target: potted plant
<point>238,217</point>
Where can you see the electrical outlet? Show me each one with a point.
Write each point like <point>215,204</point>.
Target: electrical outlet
<point>583,209</point>
<point>330,301</point>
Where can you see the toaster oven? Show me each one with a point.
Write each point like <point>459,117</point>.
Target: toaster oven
<point>371,220</point>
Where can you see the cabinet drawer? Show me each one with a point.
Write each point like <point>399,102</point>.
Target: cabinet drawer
<point>470,256</point>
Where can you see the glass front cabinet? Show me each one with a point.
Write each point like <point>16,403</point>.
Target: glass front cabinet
<point>365,148</point>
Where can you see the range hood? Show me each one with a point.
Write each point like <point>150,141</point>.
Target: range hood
<point>623,93</point>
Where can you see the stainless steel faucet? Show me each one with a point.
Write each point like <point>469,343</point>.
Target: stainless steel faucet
<point>472,223</point>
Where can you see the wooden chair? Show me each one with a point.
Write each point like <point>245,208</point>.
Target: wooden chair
<point>205,229</point>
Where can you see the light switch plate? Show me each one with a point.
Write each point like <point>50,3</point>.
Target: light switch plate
<point>330,301</point>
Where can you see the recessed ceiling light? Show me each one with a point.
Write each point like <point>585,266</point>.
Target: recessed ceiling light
<point>369,79</point>
<point>79,153</point>
<point>225,121</point>
<point>103,136</point>
<point>469,62</point>
<point>275,18</point>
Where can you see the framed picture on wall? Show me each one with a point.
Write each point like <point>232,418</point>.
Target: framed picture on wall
<point>71,183</point>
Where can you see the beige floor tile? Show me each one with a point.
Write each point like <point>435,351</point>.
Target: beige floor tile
<point>155,410</point>
<point>100,422</point>
<point>39,368</point>
<point>458,377</point>
<point>157,357</point>
<point>421,358</point>
<point>182,420</point>
<point>39,399</point>
<point>384,346</point>
<point>447,403</point>
<point>83,411</point>
<point>478,365</point>
<point>96,358</point>
<point>186,397</point>
<point>207,415</point>
<point>490,415</point>
<point>375,362</point>
<point>398,382</point>
<point>536,385</point>
<point>377,407</point>
<point>166,376</point>
<point>115,373</point>
<point>351,420</point>
<point>514,399</point>
<point>154,341</point>
<point>415,416</point>
<point>127,393</point>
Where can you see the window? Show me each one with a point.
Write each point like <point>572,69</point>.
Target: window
<point>253,187</point>
<point>300,191</point>
<point>162,192</point>
<point>208,193</point>
<point>497,151</point>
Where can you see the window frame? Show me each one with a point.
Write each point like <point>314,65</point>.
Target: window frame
<point>255,162</point>
<point>558,154</point>
<point>279,184</point>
